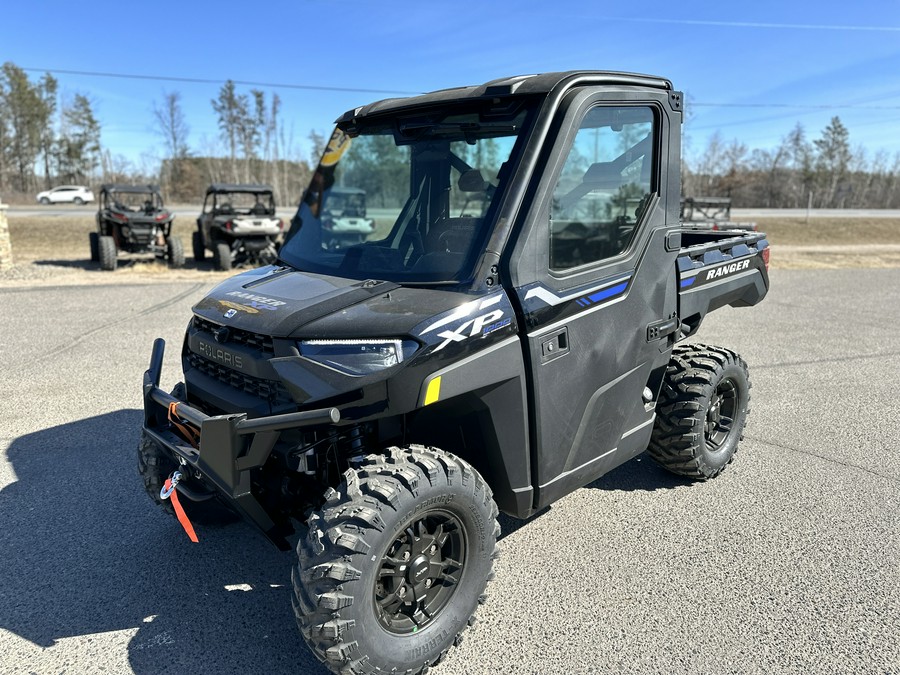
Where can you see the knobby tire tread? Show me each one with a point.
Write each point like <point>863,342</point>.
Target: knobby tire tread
<point>690,378</point>
<point>338,532</point>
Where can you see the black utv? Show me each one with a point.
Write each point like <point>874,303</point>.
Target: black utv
<point>238,225</point>
<point>133,220</point>
<point>517,331</point>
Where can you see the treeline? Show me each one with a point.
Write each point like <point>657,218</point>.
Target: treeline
<point>251,131</point>
<point>826,172</point>
<point>47,139</point>
<point>43,140</point>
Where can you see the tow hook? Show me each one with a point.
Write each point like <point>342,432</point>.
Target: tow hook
<point>168,492</point>
<point>169,486</point>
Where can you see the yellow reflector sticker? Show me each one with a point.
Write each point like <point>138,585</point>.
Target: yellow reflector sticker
<point>434,391</point>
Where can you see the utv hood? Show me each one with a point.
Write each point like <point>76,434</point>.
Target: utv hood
<point>283,302</point>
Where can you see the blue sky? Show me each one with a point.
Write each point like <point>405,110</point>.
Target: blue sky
<point>750,70</point>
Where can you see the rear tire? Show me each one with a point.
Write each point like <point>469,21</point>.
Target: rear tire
<point>155,466</point>
<point>199,248</point>
<point>396,562</point>
<point>702,410</point>
<point>94,239</point>
<point>223,256</point>
<point>107,253</point>
<point>175,252</point>
<point>78,201</point>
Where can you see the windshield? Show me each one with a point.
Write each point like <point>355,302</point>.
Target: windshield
<point>410,198</point>
<point>244,204</point>
<point>135,201</point>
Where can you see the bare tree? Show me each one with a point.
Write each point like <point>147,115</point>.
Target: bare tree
<point>832,161</point>
<point>172,127</point>
<point>231,110</point>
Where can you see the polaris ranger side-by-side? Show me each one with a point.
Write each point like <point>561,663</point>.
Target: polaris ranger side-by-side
<point>509,339</point>
<point>238,225</point>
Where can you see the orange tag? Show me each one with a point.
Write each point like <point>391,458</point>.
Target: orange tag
<point>179,512</point>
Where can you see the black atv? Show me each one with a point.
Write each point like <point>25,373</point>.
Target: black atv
<point>238,225</point>
<point>132,220</point>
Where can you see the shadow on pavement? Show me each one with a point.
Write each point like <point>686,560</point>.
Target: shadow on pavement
<point>85,551</point>
<point>640,473</point>
<point>76,264</point>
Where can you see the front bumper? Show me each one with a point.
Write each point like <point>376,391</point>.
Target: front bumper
<point>229,448</point>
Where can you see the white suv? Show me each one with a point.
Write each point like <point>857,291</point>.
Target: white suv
<point>76,194</point>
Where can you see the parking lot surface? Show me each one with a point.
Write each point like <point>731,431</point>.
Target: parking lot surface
<point>789,562</point>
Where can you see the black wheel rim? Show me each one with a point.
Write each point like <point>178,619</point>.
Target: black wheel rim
<point>419,572</point>
<point>721,413</point>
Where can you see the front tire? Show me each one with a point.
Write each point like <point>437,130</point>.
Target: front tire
<point>396,562</point>
<point>175,252</point>
<point>198,246</point>
<point>223,256</point>
<point>94,239</point>
<point>45,201</point>
<point>107,253</point>
<point>702,410</point>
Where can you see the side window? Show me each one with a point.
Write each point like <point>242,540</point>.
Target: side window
<point>604,186</point>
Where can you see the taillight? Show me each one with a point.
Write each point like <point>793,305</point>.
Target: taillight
<point>162,216</point>
<point>120,217</point>
<point>765,257</point>
<point>715,227</point>
<point>280,224</point>
<point>229,226</point>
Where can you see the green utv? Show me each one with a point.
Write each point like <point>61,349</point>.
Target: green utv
<point>507,334</point>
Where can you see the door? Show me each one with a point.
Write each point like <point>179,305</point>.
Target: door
<point>593,274</point>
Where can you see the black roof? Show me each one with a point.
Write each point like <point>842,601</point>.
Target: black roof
<point>123,187</point>
<point>521,85</point>
<point>238,187</point>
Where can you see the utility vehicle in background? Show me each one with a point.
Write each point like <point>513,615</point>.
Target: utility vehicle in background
<point>238,225</point>
<point>131,219</point>
<point>386,398</point>
<point>711,213</point>
<point>344,219</point>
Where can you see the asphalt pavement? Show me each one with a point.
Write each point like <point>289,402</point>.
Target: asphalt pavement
<point>789,562</point>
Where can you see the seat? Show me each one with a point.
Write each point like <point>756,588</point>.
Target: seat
<point>452,235</point>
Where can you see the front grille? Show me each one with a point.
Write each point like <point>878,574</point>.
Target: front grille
<point>263,343</point>
<point>267,390</point>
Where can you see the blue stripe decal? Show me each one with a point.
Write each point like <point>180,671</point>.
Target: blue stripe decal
<point>687,282</point>
<point>608,292</point>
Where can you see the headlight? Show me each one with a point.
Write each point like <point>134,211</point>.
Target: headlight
<point>358,357</point>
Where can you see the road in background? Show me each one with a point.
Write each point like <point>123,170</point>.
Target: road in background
<point>738,214</point>
<point>192,211</point>
<point>788,562</point>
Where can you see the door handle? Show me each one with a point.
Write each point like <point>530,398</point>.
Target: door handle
<point>660,329</point>
<point>554,345</point>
